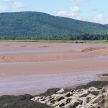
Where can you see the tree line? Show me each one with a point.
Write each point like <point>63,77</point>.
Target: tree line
<point>83,36</point>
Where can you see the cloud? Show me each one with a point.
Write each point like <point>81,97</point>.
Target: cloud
<point>6,0</point>
<point>11,5</point>
<point>76,1</point>
<point>3,7</point>
<point>100,18</point>
<point>72,12</point>
<point>18,5</point>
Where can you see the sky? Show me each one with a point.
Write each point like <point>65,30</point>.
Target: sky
<point>87,10</point>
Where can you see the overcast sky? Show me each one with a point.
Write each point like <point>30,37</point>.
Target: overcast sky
<point>87,10</point>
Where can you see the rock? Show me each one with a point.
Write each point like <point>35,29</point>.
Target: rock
<point>83,93</point>
<point>60,91</point>
<point>90,97</point>
<point>94,91</point>
<point>55,105</point>
<point>106,99</point>
<point>79,106</point>
<point>74,105</point>
<point>68,94</point>
<point>61,105</point>
<point>68,100</point>
<point>35,98</point>
<point>60,98</point>
<point>52,101</point>
<point>81,98</point>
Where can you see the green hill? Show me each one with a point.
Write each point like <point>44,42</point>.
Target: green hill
<point>39,25</point>
<point>106,25</point>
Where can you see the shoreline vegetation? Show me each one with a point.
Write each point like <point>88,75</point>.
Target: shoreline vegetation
<point>58,37</point>
<point>58,41</point>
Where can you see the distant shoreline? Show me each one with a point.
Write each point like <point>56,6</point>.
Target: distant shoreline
<point>58,41</point>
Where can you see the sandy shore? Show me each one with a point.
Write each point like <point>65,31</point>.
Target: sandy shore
<point>24,66</point>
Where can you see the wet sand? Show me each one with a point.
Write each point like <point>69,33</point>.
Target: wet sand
<point>29,67</point>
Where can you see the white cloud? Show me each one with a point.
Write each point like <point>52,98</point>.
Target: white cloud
<point>72,12</point>
<point>3,8</point>
<point>6,0</point>
<point>100,18</point>
<point>11,5</point>
<point>76,1</point>
<point>18,5</point>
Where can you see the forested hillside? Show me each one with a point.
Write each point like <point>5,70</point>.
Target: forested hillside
<point>37,25</point>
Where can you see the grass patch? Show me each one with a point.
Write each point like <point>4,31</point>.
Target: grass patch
<point>58,41</point>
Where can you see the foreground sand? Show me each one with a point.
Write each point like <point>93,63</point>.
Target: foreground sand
<point>24,66</point>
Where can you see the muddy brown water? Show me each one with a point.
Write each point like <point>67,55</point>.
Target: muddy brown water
<point>27,67</point>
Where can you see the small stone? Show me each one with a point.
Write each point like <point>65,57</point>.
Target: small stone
<point>60,91</point>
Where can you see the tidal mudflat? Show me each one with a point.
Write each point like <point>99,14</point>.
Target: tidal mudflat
<point>30,67</point>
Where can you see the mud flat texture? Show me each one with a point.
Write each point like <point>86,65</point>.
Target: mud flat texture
<point>33,67</point>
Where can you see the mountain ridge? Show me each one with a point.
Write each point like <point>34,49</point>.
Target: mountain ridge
<point>39,25</point>
<point>43,19</point>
